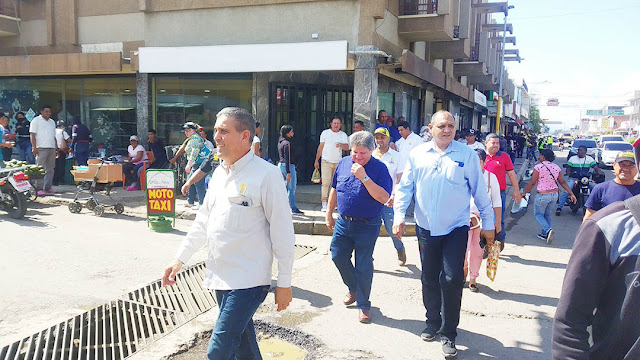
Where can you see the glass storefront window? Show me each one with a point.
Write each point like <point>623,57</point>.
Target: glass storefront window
<point>386,102</point>
<point>197,99</point>
<point>107,105</point>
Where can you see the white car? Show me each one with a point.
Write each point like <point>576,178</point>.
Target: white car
<point>610,150</point>
<point>605,138</point>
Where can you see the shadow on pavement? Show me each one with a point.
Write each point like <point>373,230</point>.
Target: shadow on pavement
<point>316,300</point>
<point>414,272</point>
<point>27,221</point>
<point>536,300</point>
<point>481,346</point>
<point>411,326</point>
<point>541,263</point>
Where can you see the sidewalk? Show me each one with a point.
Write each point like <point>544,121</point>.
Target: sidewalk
<point>307,196</point>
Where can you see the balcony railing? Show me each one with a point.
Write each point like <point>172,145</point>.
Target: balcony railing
<point>418,7</point>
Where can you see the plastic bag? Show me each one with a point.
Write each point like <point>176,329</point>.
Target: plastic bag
<point>315,177</point>
<point>516,207</point>
<point>492,260</point>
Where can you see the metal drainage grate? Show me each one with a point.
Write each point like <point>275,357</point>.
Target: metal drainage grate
<point>116,330</point>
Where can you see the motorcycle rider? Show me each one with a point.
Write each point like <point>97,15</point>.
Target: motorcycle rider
<point>578,166</point>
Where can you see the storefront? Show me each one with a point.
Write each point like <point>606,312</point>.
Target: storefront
<point>107,105</point>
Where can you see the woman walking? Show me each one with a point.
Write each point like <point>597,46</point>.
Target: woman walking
<point>473,258</point>
<point>287,165</point>
<point>549,178</point>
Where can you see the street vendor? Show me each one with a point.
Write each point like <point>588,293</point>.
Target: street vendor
<point>136,159</point>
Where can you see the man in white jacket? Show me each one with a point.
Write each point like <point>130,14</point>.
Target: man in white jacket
<point>245,220</point>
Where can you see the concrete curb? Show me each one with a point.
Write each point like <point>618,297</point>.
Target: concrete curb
<point>300,226</point>
<point>519,176</point>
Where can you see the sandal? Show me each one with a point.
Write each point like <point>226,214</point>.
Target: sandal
<point>473,287</point>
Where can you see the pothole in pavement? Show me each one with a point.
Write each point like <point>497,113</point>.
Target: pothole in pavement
<point>276,342</point>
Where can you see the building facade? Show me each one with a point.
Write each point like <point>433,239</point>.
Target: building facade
<point>124,66</point>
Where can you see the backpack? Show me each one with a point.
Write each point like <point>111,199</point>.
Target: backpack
<point>633,205</point>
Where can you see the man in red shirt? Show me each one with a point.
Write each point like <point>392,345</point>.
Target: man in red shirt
<point>499,163</point>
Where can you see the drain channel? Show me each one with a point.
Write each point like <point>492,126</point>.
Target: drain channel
<point>117,329</point>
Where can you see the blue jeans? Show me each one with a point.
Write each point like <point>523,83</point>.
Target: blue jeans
<point>572,183</point>
<point>543,209</point>
<point>387,219</point>
<point>233,336</point>
<point>291,185</point>
<point>198,188</point>
<point>24,152</point>
<point>442,259</point>
<point>81,152</point>
<point>502,235</point>
<point>531,154</point>
<point>360,236</point>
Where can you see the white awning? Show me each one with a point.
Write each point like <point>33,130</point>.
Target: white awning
<point>307,56</point>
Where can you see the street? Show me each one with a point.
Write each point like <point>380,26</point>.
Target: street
<point>57,265</point>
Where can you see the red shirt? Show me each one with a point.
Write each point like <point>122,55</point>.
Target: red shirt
<point>499,164</point>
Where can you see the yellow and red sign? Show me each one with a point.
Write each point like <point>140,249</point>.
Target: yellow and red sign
<point>161,201</point>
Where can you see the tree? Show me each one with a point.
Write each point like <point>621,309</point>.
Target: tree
<point>534,116</point>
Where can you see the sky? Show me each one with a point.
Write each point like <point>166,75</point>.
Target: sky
<point>586,53</point>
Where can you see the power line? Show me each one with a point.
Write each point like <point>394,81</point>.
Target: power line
<point>574,13</point>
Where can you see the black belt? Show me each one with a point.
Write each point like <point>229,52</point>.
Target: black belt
<point>350,218</point>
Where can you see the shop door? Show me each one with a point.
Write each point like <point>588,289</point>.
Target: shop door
<point>309,109</point>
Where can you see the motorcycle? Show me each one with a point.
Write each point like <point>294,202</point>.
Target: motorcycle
<point>13,187</point>
<point>582,191</point>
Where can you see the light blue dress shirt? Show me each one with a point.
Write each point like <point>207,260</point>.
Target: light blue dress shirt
<point>443,185</point>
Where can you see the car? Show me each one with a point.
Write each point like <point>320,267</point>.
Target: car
<point>605,138</point>
<point>610,150</point>
<point>592,148</point>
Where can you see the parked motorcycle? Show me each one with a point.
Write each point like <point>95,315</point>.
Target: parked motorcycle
<point>14,185</point>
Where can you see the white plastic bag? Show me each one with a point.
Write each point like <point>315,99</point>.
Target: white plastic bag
<point>516,207</point>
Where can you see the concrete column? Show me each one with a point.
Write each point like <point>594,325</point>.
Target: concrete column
<point>260,108</point>
<point>420,49</point>
<point>365,87</point>
<point>427,109</point>
<point>144,105</point>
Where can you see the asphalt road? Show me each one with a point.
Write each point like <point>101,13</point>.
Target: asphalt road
<point>56,265</point>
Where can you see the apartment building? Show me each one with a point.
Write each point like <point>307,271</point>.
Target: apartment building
<point>124,66</point>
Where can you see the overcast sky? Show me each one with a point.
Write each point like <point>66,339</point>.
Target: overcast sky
<point>588,51</point>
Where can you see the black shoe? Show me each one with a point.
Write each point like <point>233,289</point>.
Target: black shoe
<point>542,237</point>
<point>428,334</point>
<point>558,212</point>
<point>297,211</point>
<point>449,348</point>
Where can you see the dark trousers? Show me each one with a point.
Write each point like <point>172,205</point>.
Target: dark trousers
<point>442,259</point>
<point>130,171</point>
<point>359,237</point>
<point>234,337</point>
<point>58,172</point>
<point>81,152</point>
<point>6,153</point>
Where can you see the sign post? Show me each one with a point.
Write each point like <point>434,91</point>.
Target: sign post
<point>161,199</point>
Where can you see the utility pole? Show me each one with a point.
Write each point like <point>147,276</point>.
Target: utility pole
<point>504,35</point>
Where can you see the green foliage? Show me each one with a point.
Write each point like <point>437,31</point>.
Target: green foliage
<point>534,116</point>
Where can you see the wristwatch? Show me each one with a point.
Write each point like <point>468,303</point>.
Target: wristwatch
<point>366,178</point>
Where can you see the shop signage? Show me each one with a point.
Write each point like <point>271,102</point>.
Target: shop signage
<point>492,107</point>
<point>594,113</point>
<point>615,112</point>
<point>161,194</point>
<point>479,98</point>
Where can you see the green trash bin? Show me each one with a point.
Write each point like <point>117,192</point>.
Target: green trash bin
<point>68,166</point>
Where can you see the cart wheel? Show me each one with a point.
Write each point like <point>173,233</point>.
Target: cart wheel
<point>91,204</point>
<point>119,208</point>
<point>99,210</point>
<point>75,207</point>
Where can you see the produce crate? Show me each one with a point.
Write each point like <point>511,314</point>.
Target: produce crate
<point>109,173</point>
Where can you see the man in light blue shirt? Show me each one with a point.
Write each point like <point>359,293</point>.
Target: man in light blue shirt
<point>443,175</point>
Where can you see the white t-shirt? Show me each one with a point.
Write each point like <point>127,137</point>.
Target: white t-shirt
<point>395,162</point>
<point>256,140</point>
<point>493,188</point>
<point>476,145</point>
<point>134,152</point>
<point>45,131</point>
<point>330,152</point>
<point>61,138</point>
<point>406,145</point>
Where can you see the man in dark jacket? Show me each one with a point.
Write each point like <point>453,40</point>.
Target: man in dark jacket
<point>287,165</point>
<point>80,139</point>
<point>601,289</point>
